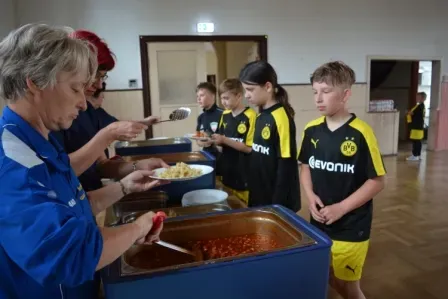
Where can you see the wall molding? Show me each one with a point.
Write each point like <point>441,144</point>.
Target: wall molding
<point>309,84</point>
<point>283,84</point>
<point>124,89</point>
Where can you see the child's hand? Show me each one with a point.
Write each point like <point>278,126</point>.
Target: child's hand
<point>205,143</point>
<point>332,213</point>
<point>218,139</point>
<point>314,203</point>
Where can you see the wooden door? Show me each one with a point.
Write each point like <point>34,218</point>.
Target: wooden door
<point>175,70</point>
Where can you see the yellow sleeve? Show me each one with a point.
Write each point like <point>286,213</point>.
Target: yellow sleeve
<point>284,133</point>
<point>252,116</point>
<point>375,165</point>
<point>303,152</point>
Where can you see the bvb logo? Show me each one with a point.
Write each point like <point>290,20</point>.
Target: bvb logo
<point>266,132</point>
<point>242,128</point>
<point>349,147</point>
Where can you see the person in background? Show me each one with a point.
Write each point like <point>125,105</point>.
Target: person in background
<point>50,245</point>
<point>86,141</point>
<point>416,123</point>
<point>273,174</point>
<point>104,118</point>
<point>341,171</point>
<point>208,121</point>
<point>235,136</point>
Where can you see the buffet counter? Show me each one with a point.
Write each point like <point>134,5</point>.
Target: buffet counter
<point>240,252</point>
<point>252,253</point>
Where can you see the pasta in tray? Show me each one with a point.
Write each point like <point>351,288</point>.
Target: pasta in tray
<point>181,170</point>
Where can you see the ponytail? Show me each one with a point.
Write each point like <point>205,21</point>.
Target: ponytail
<point>261,72</point>
<point>281,96</point>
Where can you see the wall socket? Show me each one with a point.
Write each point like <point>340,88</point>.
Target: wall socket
<point>132,83</point>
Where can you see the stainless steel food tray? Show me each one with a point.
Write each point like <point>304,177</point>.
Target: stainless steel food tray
<point>171,157</point>
<point>179,211</point>
<point>265,221</point>
<point>145,143</point>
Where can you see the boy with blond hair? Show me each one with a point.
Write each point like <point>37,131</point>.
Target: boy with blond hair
<point>235,137</point>
<point>342,170</point>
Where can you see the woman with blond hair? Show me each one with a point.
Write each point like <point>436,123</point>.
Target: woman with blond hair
<point>50,245</point>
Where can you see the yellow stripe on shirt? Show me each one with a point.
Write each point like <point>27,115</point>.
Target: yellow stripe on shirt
<point>284,132</point>
<point>222,117</point>
<point>372,144</point>
<point>313,123</point>
<point>252,116</point>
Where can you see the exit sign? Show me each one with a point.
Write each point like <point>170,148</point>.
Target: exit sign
<point>205,27</point>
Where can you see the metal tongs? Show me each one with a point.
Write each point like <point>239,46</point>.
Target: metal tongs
<point>178,114</point>
<point>157,221</point>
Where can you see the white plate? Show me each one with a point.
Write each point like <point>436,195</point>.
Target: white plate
<point>203,197</point>
<point>205,170</point>
<point>192,136</point>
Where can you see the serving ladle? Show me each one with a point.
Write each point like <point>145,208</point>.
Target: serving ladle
<point>178,114</point>
<point>157,220</point>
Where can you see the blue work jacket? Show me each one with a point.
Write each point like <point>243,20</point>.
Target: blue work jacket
<point>50,244</point>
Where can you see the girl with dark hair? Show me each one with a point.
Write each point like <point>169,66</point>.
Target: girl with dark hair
<point>273,175</point>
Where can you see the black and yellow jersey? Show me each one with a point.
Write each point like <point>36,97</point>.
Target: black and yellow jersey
<point>416,120</point>
<point>208,122</point>
<point>340,162</point>
<point>273,177</point>
<point>233,163</point>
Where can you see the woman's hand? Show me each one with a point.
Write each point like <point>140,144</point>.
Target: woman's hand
<point>151,120</point>
<point>139,181</point>
<point>125,130</point>
<point>145,224</point>
<point>206,143</point>
<point>151,164</point>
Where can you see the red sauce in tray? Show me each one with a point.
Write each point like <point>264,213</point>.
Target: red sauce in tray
<point>234,246</point>
<point>155,256</point>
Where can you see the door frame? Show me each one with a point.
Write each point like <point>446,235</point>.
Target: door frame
<point>436,89</point>
<point>261,40</point>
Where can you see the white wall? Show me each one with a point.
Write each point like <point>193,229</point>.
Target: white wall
<point>301,34</point>
<point>7,17</point>
<point>7,23</point>
<point>425,86</point>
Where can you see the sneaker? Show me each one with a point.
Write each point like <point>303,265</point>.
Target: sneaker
<point>413,158</point>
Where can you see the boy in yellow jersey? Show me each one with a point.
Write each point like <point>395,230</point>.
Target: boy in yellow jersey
<point>342,170</point>
<point>416,122</point>
<point>235,136</point>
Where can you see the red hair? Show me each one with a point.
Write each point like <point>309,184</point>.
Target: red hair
<point>106,61</point>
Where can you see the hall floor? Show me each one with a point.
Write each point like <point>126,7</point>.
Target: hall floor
<point>408,256</point>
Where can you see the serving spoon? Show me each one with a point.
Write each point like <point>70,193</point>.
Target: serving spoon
<point>178,114</point>
<point>157,220</point>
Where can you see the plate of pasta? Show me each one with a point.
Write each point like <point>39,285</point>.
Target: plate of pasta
<point>181,172</point>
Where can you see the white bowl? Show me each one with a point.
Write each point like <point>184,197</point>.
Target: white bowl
<point>204,197</point>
